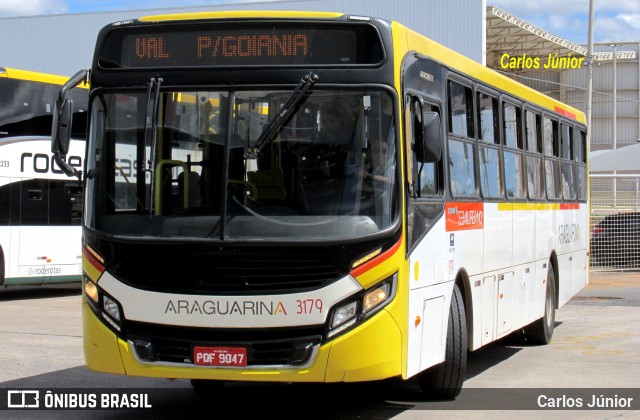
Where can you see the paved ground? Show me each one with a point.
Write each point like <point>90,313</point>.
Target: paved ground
<point>595,351</point>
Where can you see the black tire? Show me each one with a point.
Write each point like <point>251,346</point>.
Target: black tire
<point>206,386</point>
<point>541,331</point>
<point>1,267</point>
<point>444,381</point>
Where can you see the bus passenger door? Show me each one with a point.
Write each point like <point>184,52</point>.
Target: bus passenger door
<point>33,235</point>
<point>8,233</point>
<point>49,232</point>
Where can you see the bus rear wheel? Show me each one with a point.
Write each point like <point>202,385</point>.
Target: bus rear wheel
<point>1,267</point>
<point>444,381</point>
<point>541,331</point>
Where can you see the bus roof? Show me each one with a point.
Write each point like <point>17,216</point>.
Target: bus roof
<point>416,42</point>
<point>466,66</point>
<point>34,76</point>
<point>233,14</point>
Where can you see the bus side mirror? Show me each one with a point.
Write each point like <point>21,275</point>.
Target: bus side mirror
<point>63,120</point>
<point>62,123</point>
<point>429,142</point>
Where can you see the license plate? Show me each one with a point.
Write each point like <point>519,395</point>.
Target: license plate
<point>220,356</point>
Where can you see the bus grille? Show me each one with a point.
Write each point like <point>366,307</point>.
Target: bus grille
<point>227,274</point>
<point>281,348</point>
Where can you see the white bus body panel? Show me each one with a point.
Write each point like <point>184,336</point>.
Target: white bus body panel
<point>506,254</point>
<point>38,254</point>
<point>429,300</point>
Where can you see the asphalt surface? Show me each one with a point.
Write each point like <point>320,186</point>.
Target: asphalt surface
<point>595,353</point>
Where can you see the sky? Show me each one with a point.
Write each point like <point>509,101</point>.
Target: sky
<point>615,20</point>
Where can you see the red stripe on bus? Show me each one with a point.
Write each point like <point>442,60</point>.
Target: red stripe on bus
<point>565,113</point>
<point>569,206</point>
<point>376,261</point>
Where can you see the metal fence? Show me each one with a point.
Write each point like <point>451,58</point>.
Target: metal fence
<point>614,229</point>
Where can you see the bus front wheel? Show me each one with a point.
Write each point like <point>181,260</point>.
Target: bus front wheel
<point>444,381</point>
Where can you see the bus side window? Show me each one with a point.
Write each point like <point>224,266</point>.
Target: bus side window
<point>427,177</point>
<point>5,204</point>
<point>551,153</point>
<point>34,207</point>
<point>580,168</point>
<point>535,168</point>
<point>568,183</point>
<point>489,146</point>
<point>514,175</point>
<point>460,110</point>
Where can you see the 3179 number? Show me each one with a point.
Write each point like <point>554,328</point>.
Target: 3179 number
<point>308,306</point>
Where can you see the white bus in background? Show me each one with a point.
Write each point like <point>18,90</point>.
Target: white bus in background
<point>40,212</point>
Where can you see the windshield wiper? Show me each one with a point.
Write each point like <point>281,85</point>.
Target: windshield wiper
<point>283,117</point>
<point>151,131</point>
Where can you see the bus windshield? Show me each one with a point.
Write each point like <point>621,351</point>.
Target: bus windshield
<point>187,164</point>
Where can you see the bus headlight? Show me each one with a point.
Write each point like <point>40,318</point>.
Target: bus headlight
<point>362,306</point>
<point>111,312</point>
<point>91,290</point>
<point>111,307</point>
<point>376,297</point>
<point>345,313</point>
<point>103,305</point>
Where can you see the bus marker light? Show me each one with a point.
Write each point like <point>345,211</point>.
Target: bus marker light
<point>111,322</point>
<point>375,260</point>
<point>359,18</point>
<point>418,320</point>
<point>366,258</point>
<point>95,254</point>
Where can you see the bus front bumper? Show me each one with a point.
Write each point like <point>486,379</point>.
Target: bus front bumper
<point>371,351</point>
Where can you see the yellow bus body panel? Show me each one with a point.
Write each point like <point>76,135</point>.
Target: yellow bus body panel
<point>370,352</point>
<point>100,344</point>
<point>33,76</point>
<point>232,14</point>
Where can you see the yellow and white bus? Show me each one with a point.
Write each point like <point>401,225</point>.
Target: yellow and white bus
<point>344,200</point>
<point>40,217</point>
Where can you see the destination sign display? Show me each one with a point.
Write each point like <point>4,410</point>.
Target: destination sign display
<point>241,45</point>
